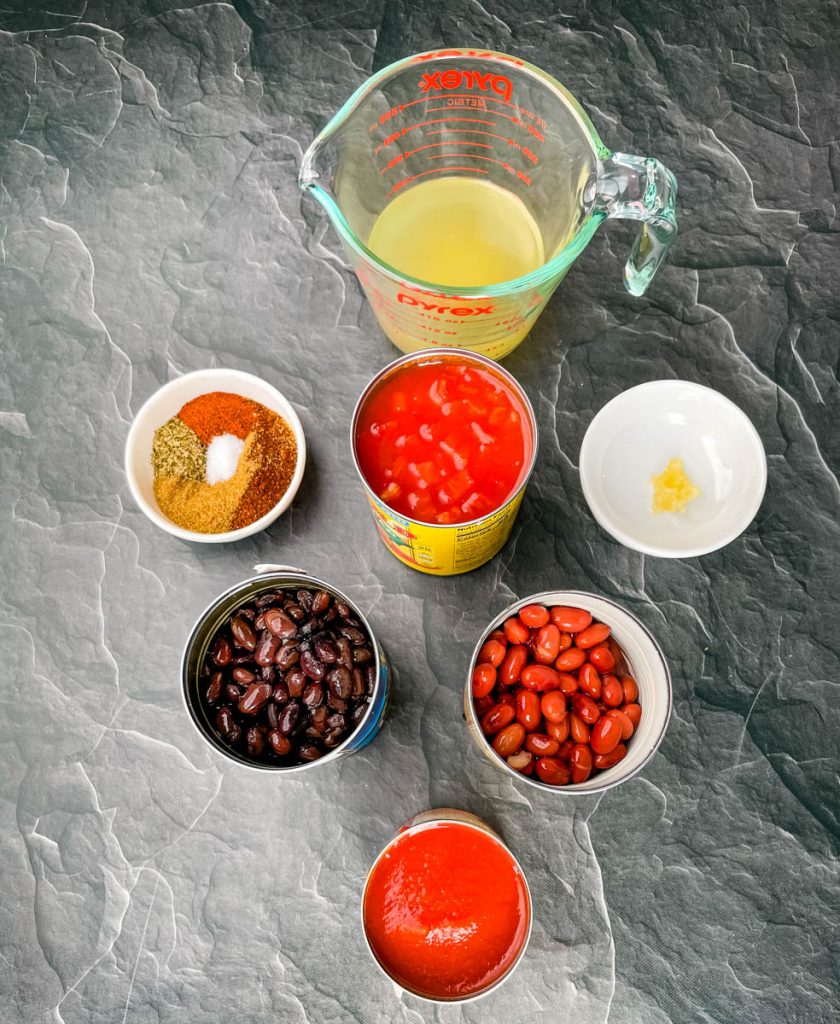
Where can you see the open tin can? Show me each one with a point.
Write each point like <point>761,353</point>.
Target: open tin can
<point>276,577</point>
<point>446,549</point>
<point>428,820</point>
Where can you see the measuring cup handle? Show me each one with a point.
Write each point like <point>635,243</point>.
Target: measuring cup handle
<point>639,188</point>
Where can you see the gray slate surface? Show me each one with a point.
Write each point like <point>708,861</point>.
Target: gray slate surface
<point>150,224</point>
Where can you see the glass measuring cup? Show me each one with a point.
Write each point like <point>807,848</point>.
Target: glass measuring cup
<point>466,112</point>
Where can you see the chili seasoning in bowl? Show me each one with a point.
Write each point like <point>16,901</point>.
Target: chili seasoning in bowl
<point>444,442</point>
<point>215,455</point>
<point>446,909</point>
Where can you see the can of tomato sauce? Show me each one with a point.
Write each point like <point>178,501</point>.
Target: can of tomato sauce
<point>444,441</point>
<point>446,909</point>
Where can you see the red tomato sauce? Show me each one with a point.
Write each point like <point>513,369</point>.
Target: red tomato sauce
<point>446,910</point>
<point>444,441</point>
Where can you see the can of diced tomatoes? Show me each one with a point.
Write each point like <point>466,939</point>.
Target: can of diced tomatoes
<point>276,578</point>
<point>448,548</point>
<point>446,908</point>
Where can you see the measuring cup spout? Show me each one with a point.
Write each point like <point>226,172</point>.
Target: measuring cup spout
<point>639,188</point>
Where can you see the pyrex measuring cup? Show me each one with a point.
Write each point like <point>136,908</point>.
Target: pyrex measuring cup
<point>478,113</point>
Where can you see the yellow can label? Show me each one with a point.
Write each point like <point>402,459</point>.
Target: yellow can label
<point>445,550</point>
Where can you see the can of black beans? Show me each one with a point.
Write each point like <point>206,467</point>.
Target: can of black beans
<point>282,672</point>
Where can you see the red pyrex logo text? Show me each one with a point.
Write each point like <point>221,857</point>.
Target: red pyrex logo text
<point>434,307</point>
<point>455,79</point>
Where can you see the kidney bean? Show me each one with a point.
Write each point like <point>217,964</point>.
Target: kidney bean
<point>286,656</point>
<point>627,728</point>
<point>221,653</point>
<point>611,692</point>
<point>516,631</point>
<point>266,648</point>
<point>289,715</point>
<point>534,615</point>
<point>507,698</point>
<point>580,763</point>
<point>243,634</point>
<point>214,690</point>
<point>254,697</point>
<point>629,690</point>
<point>509,739</point>
<point>483,705</point>
<point>541,744</point>
<point>578,729</point>
<point>255,739</point>
<point>552,771</point>
<point>311,667</point>
<point>340,682</point>
<point>493,652</point>
<point>243,676</point>
<point>553,706</point>
<point>497,718</point>
<point>313,695</point>
<point>280,744</point>
<point>279,623</point>
<point>606,735</point>
<point>604,761</point>
<point>566,641</point>
<point>570,620</point>
<point>540,678</point>
<point>499,636</point>
<point>585,708</point>
<point>483,680</point>
<point>547,644</point>
<point>511,668</point>
<point>602,658</point>
<point>633,712</point>
<point>565,751</point>
<point>570,660</point>
<point>559,730</point>
<point>589,681</point>
<point>593,635</point>
<point>520,760</point>
<point>528,710</point>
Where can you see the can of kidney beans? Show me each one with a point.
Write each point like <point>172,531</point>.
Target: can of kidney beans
<point>441,548</point>
<point>429,899</point>
<point>273,578</point>
<point>646,664</point>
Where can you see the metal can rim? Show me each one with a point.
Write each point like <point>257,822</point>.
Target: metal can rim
<point>545,597</point>
<point>469,356</point>
<point>468,820</point>
<point>304,579</point>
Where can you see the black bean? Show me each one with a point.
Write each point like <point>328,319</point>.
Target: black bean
<point>255,740</point>
<point>318,718</point>
<point>336,703</point>
<point>345,652</point>
<point>243,676</point>
<point>311,666</point>
<point>310,751</point>
<point>296,682</point>
<point>325,650</point>
<point>358,683</point>
<point>221,653</point>
<point>248,613</point>
<point>336,722</point>
<point>340,682</point>
<point>272,714</point>
<point>269,598</point>
<point>313,695</point>
<point>370,678</point>
<point>259,623</point>
<point>214,690</point>
<point>267,673</point>
<point>280,693</point>
<point>355,636</point>
<point>279,743</point>
<point>288,655</point>
<point>294,611</point>
<point>279,623</point>
<point>358,713</point>
<point>243,634</point>
<point>304,599</point>
<point>254,697</point>
<point>266,648</point>
<point>224,720</point>
<point>320,602</point>
<point>288,717</point>
<point>343,609</point>
<point>362,655</point>
<point>332,739</point>
<point>233,692</point>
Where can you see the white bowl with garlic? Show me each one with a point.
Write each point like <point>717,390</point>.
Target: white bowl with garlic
<point>675,444</point>
<point>220,467</point>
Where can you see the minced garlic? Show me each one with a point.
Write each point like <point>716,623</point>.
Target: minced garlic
<point>672,489</point>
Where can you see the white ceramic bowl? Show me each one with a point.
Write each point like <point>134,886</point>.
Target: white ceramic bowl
<point>633,438</point>
<point>164,404</point>
<point>647,666</point>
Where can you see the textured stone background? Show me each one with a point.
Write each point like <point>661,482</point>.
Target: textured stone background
<point>150,224</point>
